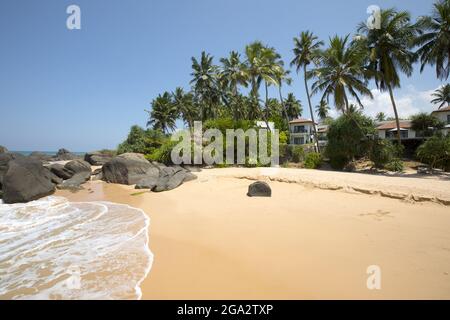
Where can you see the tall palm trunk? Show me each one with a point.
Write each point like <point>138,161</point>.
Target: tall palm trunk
<point>311,111</point>
<point>266,112</point>
<point>283,107</point>
<point>397,121</point>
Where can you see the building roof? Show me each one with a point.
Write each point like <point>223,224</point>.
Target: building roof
<point>388,125</point>
<point>300,120</point>
<point>446,109</point>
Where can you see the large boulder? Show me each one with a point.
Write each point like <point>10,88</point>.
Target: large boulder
<point>97,158</point>
<point>25,180</point>
<point>150,180</point>
<point>65,155</point>
<point>75,182</point>
<point>170,178</point>
<point>3,149</point>
<point>259,189</point>
<point>5,158</point>
<point>60,171</point>
<point>127,168</point>
<point>77,166</point>
<point>40,156</point>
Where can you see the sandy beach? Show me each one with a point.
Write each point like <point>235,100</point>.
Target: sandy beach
<point>211,241</point>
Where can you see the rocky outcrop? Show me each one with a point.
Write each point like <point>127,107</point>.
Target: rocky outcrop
<point>150,180</point>
<point>40,156</point>
<point>5,158</point>
<point>60,171</point>
<point>127,168</point>
<point>172,177</point>
<point>259,189</point>
<point>97,158</point>
<point>74,183</point>
<point>65,155</point>
<point>25,180</point>
<point>77,166</point>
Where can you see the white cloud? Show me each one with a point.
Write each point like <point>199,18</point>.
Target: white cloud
<point>409,101</point>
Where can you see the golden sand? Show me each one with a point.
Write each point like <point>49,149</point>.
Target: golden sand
<point>211,241</point>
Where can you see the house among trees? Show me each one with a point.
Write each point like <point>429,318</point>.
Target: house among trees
<point>443,114</point>
<point>388,130</point>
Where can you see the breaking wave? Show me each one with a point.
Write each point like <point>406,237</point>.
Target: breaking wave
<point>55,249</point>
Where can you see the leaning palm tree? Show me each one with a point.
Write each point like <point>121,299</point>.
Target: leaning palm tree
<point>389,50</point>
<point>185,104</point>
<point>340,73</point>
<point>293,107</point>
<point>442,96</point>
<point>434,39</point>
<point>380,116</point>
<point>205,83</point>
<point>306,52</point>
<point>163,114</point>
<point>323,110</point>
<point>282,76</point>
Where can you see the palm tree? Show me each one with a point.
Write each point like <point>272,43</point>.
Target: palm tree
<point>305,53</point>
<point>293,107</point>
<point>442,96</point>
<point>434,39</point>
<point>233,75</point>
<point>253,65</point>
<point>381,116</point>
<point>323,110</point>
<point>282,76</point>
<point>163,114</point>
<point>389,49</point>
<point>184,103</point>
<point>341,73</point>
<point>205,83</point>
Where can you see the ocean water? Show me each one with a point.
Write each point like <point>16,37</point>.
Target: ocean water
<point>55,249</point>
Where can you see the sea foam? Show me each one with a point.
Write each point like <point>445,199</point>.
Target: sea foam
<point>55,249</point>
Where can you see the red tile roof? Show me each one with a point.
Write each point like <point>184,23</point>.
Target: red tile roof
<point>300,120</point>
<point>404,124</point>
<point>442,109</point>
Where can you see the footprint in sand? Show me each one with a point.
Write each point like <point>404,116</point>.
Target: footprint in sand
<point>378,215</point>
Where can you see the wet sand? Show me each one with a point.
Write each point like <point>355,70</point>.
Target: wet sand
<point>211,241</point>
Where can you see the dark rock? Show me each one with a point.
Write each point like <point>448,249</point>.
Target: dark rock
<point>25,180</point>
<point>97,158</point>
<point>61,171</point>
<point>3,149</point>
<point>127,168</point>
<point>189,177</point>
<point>259,189</point>
<point>170,178</point>
<point>96,172</point>
<point>65,155</point>
<point>150,180</point>
<point>53,177</point>
<point>75,182</point>
<point>4,160</point>
<point>40,156</point>
<point>77,166</point>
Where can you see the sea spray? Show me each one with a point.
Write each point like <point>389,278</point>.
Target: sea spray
<point>55,249</point>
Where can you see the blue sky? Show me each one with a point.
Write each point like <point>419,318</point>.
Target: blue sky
<point>83,89</point>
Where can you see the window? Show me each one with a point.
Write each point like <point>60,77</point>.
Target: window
<point>299,129</point>
<point>448,119</point>
<point>300,140</point>
<point>393,134</point>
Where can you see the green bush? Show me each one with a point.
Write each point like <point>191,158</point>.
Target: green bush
<point>298,154</point>
<point>313,160</point>
<point>435,152</point>
<point>163,154</point>
<point>395,165</point>
<point>382,152</point>
<point>142,141</point>
<point>347,139</point>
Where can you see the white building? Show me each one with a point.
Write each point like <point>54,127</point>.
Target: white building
<point>388,130</point>
<point>301,131</point>
<point>443,115</point>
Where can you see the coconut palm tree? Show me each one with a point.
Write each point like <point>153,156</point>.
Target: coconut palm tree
<point>253,65</point>
<point>233,72</point>
<point>340,73</point>
<point>293,107</point>
<point>434,39</point>
<point>205,84</point>
<point>323,110</point>
<point>442,96</point>
<point>163,114</point>
<point>380,116</point>
<point>389,50</point>
<point>306,52</point>
<point>282,76</point>
<point>184,103</point>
